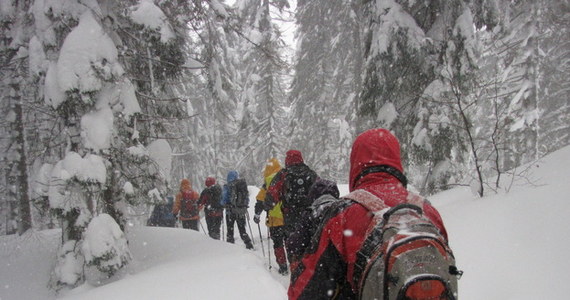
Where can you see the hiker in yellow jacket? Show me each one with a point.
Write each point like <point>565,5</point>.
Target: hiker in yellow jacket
<point>274,220</point>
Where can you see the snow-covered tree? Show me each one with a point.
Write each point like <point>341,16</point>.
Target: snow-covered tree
<point>262,84</point>
<point>555,70</point>
<point>420,61</point>
<point>327,80</point>
<point>94,61</point>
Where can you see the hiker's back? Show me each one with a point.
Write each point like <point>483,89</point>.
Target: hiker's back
<point>189,204</point>
<point>214,197</point>
<point>239,196</point>
<point>298,180</point>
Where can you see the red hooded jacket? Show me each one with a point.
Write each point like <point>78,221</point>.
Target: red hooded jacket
<point>328,269</point>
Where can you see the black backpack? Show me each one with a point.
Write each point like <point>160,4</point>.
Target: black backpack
<point>404,255</point>
<point>239,195</point>
<point>298,181</point>
<point>214,196</point>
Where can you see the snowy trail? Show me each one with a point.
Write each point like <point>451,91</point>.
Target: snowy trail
<point>510,245</point>
<point>183,264</point>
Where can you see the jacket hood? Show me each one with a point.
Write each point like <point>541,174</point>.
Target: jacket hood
<point>232,175</point>
<point>271,167</point>
<point>374,147</point>
<point>185,185</point>
<point>293,157</point>
<point>210,181</point>
<point>323,187</point>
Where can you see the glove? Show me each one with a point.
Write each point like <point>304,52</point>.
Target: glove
<point>256,219</point>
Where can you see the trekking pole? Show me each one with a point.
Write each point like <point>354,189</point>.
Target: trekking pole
<point>261,240</point>
<point>249,225</point>
<point>202,226</point>
<point>269,247</point>
<point>223,227</point>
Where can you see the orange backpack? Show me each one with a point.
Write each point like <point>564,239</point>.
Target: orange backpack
<point>189,204</point>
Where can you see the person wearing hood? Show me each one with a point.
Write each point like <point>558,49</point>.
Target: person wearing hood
<point>329,263</point>
<point>211,199</point>
<point>289,188</point>
<point>186,203</point>
<point>274,219</point>
<point>235,198</point>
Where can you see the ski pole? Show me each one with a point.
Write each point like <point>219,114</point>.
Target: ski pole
<point>261,240</point>
<point>202,226</point>
<point>269,247</point>
<point>249,225</point>
<point>223,227</point>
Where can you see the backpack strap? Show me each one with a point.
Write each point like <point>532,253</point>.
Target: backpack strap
<point>378,208</point>
<point>368,200</point>
<point>372,203</point>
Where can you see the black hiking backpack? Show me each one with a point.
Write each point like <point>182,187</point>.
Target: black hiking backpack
<point>239,196</point>
<point>404,256</point>
<point>214,197</point>
<point>298,181</point>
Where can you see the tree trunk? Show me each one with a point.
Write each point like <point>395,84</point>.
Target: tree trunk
<point>25,218</point>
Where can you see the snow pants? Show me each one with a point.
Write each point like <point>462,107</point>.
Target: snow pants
<point>190,224</point>
<point>231,219</point>
<point>278,238</point>
<point>214,223</point>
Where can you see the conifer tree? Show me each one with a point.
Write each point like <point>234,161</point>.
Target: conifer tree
<point>262,86</point>
<point>327,79</point>
<point>16,203</point>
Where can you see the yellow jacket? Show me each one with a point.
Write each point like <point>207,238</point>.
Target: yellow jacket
<point>275,215</point>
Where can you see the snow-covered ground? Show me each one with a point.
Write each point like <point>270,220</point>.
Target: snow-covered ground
<point>510,245</point>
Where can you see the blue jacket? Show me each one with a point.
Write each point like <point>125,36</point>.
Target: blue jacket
<point>162,214</point>
<point>232,176</point>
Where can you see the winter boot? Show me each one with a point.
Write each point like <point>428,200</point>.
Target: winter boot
<point>249,246</point>
<point>283,270</point>
<point>281,260</point>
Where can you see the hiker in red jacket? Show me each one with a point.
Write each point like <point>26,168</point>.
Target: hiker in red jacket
<point>211,198</point>
<point>186,203</point>
<point>327,268</point>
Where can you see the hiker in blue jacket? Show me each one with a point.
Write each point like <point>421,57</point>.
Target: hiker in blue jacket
<point>162,214</point>
<point>235,198</point>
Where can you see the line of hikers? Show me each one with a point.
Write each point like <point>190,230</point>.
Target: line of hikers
<point>187,204</point>
<point>380,241</point>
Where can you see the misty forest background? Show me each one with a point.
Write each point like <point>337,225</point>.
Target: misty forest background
<point>472,89</point>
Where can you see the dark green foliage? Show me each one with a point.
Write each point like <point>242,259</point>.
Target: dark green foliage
<point>398,75</point>
<point>109,270</point>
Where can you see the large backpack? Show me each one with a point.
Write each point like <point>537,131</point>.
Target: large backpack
<point>214,196</point>
<point>404,256</point>
<point>239,195</point>
<point>189,204</point>
<point>298,181</point>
